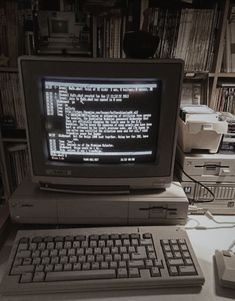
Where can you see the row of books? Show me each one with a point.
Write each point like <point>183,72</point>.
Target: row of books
<point>229,51</point>
<point>19,164</point>
<point>225,99</point>
<point>11,111</point>
<point>188,34</point>
<point>1,191</point>
<point>183,33</point>
<point>13,19</point>
<point>108,39</point>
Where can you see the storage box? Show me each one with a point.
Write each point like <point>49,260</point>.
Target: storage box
<point>200,131</point>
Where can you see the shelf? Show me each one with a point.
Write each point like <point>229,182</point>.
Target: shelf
<point>14,135</point>
<point>8,69</point>
<point>227,74</point>
<point>4,221</point>
<point>14,140</point>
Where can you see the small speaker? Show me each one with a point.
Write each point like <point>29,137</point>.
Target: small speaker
<point>140,44</point>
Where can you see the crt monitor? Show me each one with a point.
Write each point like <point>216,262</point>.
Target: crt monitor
<point>101,125</point>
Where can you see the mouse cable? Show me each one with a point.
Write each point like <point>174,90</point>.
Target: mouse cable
<point>211,216</point>
<point>208,214</point>
<point>199,183</point>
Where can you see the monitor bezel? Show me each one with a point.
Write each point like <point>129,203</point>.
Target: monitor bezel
<point>157,174</point>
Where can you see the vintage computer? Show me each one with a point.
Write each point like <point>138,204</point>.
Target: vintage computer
<point>102,137</point>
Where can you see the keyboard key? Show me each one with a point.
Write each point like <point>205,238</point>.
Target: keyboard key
<point>76,244</point>
<point>146,242</point>
<point>77,266</point>
<point>26,278</point>
<point>122,273</point>
<point>48,239</point>
<point>113,265</point>
<point>124,236</point>
<point>73,259</point>
<point>122,264</point>
<point>32,246</point>
<point>41,246</point>
<point>23,246</point>
<point>21,269</point>
<point>39,268</point>
<point>183,247</point>
<point>155,272</point>
<point>80,275</point>
<point>147,235</point>
<point>186,255</point>
<point>54,253</point>
<point>80,237</point>
<point>96,266</point>
<point>114,236</point>
<point>94,237</point>
<point>177,255</point>
<point>48,267</point>
<point>148,263</point>
<point>126,242</point>
<point>126,257</point>
<point>136,264</point>
<point>69,238</point>
<point>68,267</point>
<point>71,252</point>
<point>18,261</point>
<point>36,253</point>
<point>151,255</point>
<point>135,236</point>
<point>64,259</point>
<point>39,277</point>
<point>36,260</point>
<point>58,267</point>
<point>175,262</point>
<point>27,261</point>
<point>59,239</point>
<point>55,260</point>
<point>23,254</point>
<point>169,255</point>
<point>158,263</point>
<point>188,261</point>
<point>45,260</point>
<point>141,253</point>
<point>134,273</point>
<point>187,270</point>
<point>24,240</point>
<point>37,239</point>
<point>167,248</point>
<point>175,248</point>
<point>104,265</point>
<point>45,253</point>
<point>173,271</point>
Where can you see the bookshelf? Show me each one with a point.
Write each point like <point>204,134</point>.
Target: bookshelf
<point>96,29</point>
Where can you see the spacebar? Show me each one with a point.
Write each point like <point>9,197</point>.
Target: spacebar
<point>80,275</point>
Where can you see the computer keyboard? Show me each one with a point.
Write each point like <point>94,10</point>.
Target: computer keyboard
<point>111,258</point>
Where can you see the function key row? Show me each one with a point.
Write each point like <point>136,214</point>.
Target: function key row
<point>95,237</point>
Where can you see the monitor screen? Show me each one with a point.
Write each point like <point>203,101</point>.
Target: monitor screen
<point>101,123</point>
<point>101,120</point>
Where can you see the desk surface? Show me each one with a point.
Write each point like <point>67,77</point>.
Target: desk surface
<point>204,243</point>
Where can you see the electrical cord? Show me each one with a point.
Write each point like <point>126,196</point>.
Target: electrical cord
<point>208,214</point>
<point>200,184</point>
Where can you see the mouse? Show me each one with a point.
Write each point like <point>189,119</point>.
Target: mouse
<point>225,262</point>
